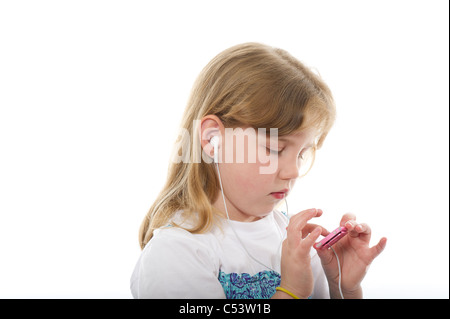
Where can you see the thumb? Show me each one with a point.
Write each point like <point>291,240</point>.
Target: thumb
<point>326,256</point>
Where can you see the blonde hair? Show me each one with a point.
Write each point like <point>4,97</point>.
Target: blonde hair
<point>247,85</point>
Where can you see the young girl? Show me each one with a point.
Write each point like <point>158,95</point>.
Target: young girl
<point>252,125</point>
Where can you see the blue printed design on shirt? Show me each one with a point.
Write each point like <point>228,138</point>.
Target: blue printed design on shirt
<point>243,286</point>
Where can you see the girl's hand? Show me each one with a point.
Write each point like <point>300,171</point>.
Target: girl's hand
<point>296,272</point>
<point>355,257</point>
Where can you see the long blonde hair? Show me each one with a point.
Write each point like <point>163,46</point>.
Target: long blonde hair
<point>247,85</point>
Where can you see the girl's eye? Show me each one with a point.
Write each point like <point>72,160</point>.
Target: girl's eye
<point>302,156</point>
<point>276,152</point>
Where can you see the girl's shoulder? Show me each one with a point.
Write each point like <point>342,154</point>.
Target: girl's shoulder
<point>173,256</point>
<point>176,233</point>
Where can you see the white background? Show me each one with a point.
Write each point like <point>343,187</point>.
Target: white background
<point>92,93</point>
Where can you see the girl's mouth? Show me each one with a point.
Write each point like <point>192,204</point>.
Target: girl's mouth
<point>278,195</point>
<point>281,194</point>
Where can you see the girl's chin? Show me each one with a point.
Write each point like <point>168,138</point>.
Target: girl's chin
<point>266,211</point>
<point>254,216</point>
<point>258,210</point>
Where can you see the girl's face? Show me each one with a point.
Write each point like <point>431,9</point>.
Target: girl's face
<point>256,181</point>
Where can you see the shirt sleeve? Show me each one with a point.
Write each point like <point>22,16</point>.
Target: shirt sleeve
<point>176,264</point>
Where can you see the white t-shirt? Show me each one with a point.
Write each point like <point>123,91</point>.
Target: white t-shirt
<point>236,260</point>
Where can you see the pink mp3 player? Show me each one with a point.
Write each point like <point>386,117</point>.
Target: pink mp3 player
<point>332,238</point>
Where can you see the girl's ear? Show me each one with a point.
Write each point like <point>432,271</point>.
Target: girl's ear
<point>210,126</point>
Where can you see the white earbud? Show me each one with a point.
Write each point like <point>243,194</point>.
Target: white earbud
<point>215,143</point>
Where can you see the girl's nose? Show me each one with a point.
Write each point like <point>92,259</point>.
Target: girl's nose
<point>289,169</point>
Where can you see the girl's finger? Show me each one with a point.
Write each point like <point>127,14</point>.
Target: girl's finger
<point>297,223</point>
<point>359,230</point>
<point>312,237</point>
<point>309,227</point>
<point>348,217</point>
<point>363,229</point>
<point>378,248</point>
